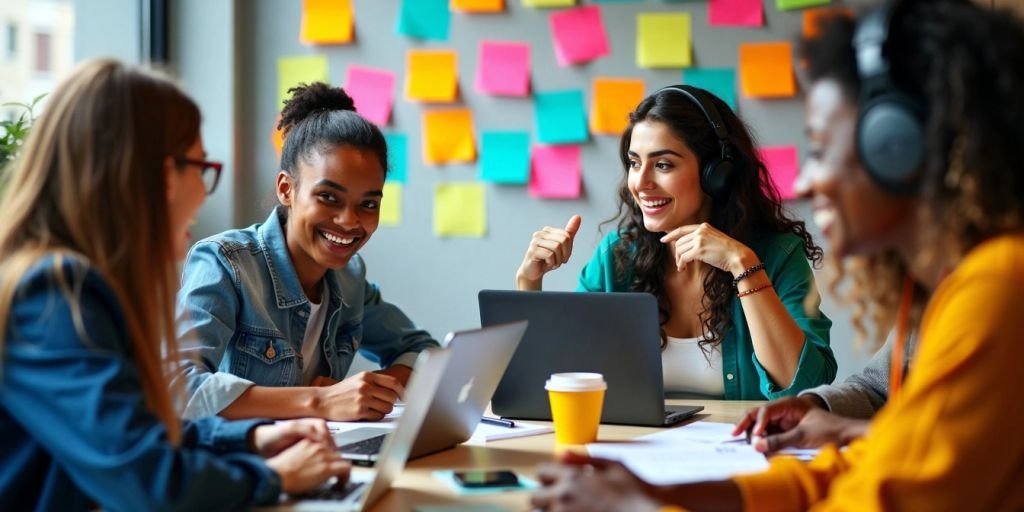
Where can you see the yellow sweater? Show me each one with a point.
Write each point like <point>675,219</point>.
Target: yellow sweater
<point>954,437</point>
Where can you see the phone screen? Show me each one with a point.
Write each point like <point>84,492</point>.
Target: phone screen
<point>486,478</point>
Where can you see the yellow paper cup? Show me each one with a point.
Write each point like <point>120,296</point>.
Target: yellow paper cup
<point>576,402</point>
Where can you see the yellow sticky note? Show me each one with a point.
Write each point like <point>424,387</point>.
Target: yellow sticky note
<point>292,71</point>
<point>326,22</point>
<point>431,75</point>
<point>460,209</point>
<point>766,70</point>
<point>549,3</point>
<point>611,103</point>
<point>663,40</point>
<point>477,5</point>
<point>391,204</point>
<point>448,136</point>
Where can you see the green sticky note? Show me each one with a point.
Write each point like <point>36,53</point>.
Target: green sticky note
<point>663,40</point>
<point>391,204</point>
<point>292,71</point>
<point>560,117</point>
<point>398,157</point>
<point>505,157</point>
<point>718,81</point>
<point>784,5</point>
<point>460,210</point>
<point>424,19</point>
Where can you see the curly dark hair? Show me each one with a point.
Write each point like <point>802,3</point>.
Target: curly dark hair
<point>750,206</point>
<point>318,117</point>
<point>965,63</point>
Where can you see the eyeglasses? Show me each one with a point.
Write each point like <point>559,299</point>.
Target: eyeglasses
<point>208,171</point>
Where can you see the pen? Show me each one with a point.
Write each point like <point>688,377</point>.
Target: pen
<point>498,421</point>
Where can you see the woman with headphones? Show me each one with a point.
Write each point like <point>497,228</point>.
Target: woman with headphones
<point>702,228</point>
<point>935,84</point>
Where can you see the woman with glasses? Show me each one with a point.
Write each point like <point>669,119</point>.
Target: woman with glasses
<point>96,217</point>
<point>277,311</point>
<point>952,223</point>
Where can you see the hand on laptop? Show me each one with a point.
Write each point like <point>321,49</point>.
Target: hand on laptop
<point>363,396</point>
<point>549,249</point>
<point>306,464</point>
<point>270,440</point>
<point>798,422</point>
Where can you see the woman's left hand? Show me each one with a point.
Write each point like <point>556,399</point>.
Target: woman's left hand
<point>701,242</point>
<point>270,440</point>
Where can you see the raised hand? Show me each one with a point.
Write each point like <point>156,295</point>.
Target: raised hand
<point>549,249</point>
<point>702,242</point>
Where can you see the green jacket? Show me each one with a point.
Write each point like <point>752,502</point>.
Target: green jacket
<point>744,377</point>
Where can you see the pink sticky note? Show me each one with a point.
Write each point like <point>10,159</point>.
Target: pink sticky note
<point>735,13</point>
<point>555,172</point>
<point>503,68</point>
<point>579,35</point>
<point>783,167</point>
<point>373,91</point>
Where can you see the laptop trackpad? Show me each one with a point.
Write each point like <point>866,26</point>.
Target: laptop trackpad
<point>359,434</point>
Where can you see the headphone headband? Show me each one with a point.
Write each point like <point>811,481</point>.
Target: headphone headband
<point>716,173</point>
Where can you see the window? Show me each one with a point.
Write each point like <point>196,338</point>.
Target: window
<point>12,40</point>
<point>42,61</point>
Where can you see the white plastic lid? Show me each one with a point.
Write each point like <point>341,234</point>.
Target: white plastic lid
<point>578,381</point>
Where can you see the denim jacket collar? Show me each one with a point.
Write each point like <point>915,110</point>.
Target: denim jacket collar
<point>287,290</point>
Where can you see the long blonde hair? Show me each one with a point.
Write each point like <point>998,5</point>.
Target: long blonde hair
<point>90,184</point>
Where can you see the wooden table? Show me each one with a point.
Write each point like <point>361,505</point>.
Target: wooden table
<point>415,486</point>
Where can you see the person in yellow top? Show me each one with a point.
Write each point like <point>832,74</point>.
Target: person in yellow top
<point>916,174</point>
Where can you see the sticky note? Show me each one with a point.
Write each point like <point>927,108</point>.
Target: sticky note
<point>616,1</point>
<point>579,35</point>
<point>611,103</point>
<point>277,137</point>
<point>718,81</point>
<point>560,117</point>
<point>505,157</point>
<point>812,17</point>
<point>326,22</point>
<point>431,75</point>
<point>503,68</point>
<point>373,91</point>
<point>478,5</point>
<point>766,70</point>
<point>292,71</point>
<point>424,19</point>
<point>391,204</point>
<point>783,167</point>
<point>784,5</point>
<point>735,13</point>
<point>663,40</point>
<point>398,157</point>
<point>549,3</point>
<point>460,209</point>
<point>555,172</point>
<point>448,136</point>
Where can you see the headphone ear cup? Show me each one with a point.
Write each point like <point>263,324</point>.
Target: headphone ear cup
<point>890,143</point>
<point>714,177</point>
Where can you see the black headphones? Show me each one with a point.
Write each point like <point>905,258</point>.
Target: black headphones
<point>890,129</point>
<point>716,172</point>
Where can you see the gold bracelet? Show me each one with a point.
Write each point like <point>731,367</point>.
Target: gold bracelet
<point>744,293</point>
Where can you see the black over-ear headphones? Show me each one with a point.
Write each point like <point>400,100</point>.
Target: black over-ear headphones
<point>716,172</point>
<point>890,130</point>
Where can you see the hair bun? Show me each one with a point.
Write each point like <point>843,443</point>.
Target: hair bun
<point>310,99</point>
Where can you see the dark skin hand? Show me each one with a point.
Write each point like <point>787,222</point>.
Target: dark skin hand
<point>798,422</point>
<point>581,483</point>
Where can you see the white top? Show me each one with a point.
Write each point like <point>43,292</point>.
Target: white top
<point>311,341</point>
<point>687,370</point>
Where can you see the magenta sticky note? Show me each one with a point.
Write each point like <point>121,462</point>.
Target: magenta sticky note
<point>503,68</point>
<point>373,91</point>
<point>555,172</point>
<point>783,167</point>
<point>735,13</point>
<point>579,35</point>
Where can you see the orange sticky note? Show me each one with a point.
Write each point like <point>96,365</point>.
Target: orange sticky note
<point>448,136</point>
<point>477,5</point>
<point>812,17</point>
<point>766,70</point>
<point>612,101</point>
<point>277,137</point>
<point>431,75</point>
<point>326,22</point>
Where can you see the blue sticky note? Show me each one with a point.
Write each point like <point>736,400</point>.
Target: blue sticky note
<point>505,157</point>
<point>398,156</point>
<point>719,81</point>
<point>560,117</point>
<point>424,19</point>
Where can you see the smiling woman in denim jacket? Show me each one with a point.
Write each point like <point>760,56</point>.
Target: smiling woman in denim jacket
<point>276,312</point>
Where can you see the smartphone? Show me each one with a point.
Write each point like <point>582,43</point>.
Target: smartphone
<point>478,479</point>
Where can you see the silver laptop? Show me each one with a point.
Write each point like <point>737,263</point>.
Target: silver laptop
<point>616,334</point>
<point>478,360</point>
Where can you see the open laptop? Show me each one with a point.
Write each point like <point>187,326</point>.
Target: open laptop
<point>478,360</point>
<point>615,334</point>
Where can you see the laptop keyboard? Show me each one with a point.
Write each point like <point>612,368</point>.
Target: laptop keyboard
<point>333,492</point>
<point>369,446</point>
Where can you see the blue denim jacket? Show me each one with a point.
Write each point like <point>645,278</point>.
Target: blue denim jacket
<point>242,316</point>
<point>74,431</point>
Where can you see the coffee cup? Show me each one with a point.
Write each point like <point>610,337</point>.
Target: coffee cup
<point>576,401</point>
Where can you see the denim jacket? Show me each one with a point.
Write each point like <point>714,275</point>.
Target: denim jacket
<point>75,434</point>
<point>242,317</point>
